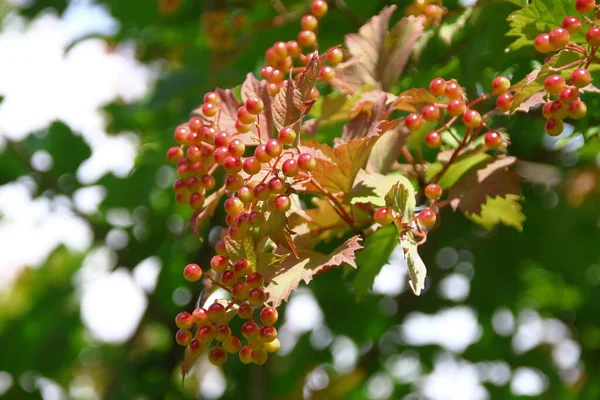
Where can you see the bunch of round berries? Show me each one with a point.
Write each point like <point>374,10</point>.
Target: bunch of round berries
<point>212,323</point>
<point>426,218</point>
<point>567,102</point>
<point>432,10</point>
<point>560,38</point>
<point>455,105</point>
<point>281,56</point>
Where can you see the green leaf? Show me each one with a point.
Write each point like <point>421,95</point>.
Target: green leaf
<point>539,17</point>
<point>401,199</point>
<point>506,210</point>
<point>373,188</point>
<point>416,267</point>
<point>309,263</point>
<point>460,167</point>
<point>370,260</point>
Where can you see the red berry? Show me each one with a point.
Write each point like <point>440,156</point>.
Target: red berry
<point>234,182</point>
<point>255,280</point>
<point>245,116</point>
<point>426,218</point>
<point>217,356</point>
<point>577,109</point>
<point>290,167</point>
<point>246,355</point>
<point>280,49</point>
<point>306,162</point>
<point>276,185</point>
<point>269,315</point>
<point>242,267</point>
<point>175,154</point>
<point>245,310</point>
<point>500,84</point>
<point>314,94</point>
<point>437,87</point>
<point>220,248</point>
<point>273,148</point>
<point>287,135</point>
<point>183,337</point>
<point>233,206</point>
<point>554,84</point>
<point>335,55</point>
<point>181,134</point>
<point>209,109</point>
<point>257,297</point>
<point>192,272</point>
<point>383,216</point>
<point>593,36</point>
<point>413,122</point>
<point>433,11</point>
<point>293,48</point>
<point>580,77</point>
<point>184,320</point>
<point>197,201</point>
<point>453,90</point>
<point>259,357</point>
<point>571,24</point>
<point>219,263</point>
<point>222,332</point>
<point>216,312</point>
<point>433,140</point>
<point>261,154</point>
<point>542,43</point>
<point>268,334</point>
<point>430,113</point>
<point>251,166</point>
<point>212,97</point>
<point>241,127</point>
<point>585,6</point>
<point>236,147</point>
<point>239,291</point>
<point>318,8</point>
<point>559,37</point>
<point>456,107</point>
<point>493,140</point>
<point>433,191</point>
<point>472,119</point>
<point>196,347</point>
<point>554,127</point>
<point>307,38</point>
<point>568,94</point>
<point>261,191</point>
<point>557,110</point>
<point>232,344</point>
<point>250,330</point>
<point>232,165</point>
<point>229,278</point>
<point>309,22</point>
<point>282,203</point>
<point>504,101</point>
<point>326,73</point>
<point>200,316</point>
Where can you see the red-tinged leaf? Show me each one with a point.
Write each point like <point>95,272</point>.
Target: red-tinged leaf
<point>338,175</point>
<point>387,149</point>
<point>308,77</point>
<point>227,110</point>
<point>494,179</point>
<point>413,100</point>
<point>292,271</point>
<point>379,55</point>
<point>368,114</point>
<point>317,149</point>
<point>210,206</point>
<point>535,100</point>
<point>287,108</point>
<point>276,227</point>
<point>255,88</point>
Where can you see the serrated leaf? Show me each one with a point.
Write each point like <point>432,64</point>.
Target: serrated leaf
<point>255,88</point>
<point>308,77</point>
<point>461,166</point>
<point>538,17</point>
<point>376,253</point>
<point>210,206</point>
<point>494,179</point>
<point>401,199</point>
<point>287,107</point>
<point>318,150</point>
<point>267,262</point>
<point>387,149</point>
<point>309,263</point>
<point>373,188</point>
<point>338,174</point>
<point>413,100</point>
<point>368,113</point>
<point>417,272</point>
<point>379,55</point>
<point>277,229</point>
<point>506,210</point>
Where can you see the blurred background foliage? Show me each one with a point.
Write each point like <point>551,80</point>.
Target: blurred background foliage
<point>504,315</point>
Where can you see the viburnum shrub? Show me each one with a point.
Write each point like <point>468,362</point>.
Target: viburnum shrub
<point>253,151</point>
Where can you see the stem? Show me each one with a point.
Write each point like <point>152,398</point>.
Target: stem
<point>215,282</point>
<point>453,157</point>
<point>342,84</point>
<point>479,99</point>
<point>567,66</point>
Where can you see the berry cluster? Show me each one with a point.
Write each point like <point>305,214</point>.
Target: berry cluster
<point>567,102</point>
<point>212,322</point>
<point>431,10</point>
